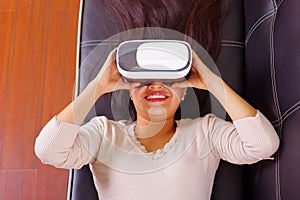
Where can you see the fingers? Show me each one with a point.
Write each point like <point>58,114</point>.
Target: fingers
<point>110,60</point>
<point>112,54</point>
<point>114,72</point>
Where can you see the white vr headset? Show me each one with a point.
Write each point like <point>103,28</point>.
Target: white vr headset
<point>154,60</point>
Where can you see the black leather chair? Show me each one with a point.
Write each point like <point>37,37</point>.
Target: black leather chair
<point>272,85</point>
<point>265,72</point>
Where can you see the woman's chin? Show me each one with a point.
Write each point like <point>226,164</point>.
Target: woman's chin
<point>157,112</point>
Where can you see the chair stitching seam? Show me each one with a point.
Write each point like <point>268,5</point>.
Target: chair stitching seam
<point>258,23</point>
<point>287,113</point>
<point>276,100</point>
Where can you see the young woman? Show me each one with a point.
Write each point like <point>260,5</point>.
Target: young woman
<point>156,157</point>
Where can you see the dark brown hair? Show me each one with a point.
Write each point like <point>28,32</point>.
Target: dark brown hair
<point>199,19</point>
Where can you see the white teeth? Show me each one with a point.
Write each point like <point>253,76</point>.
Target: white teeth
<point>156,96</point>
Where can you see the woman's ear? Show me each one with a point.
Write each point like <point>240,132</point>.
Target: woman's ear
<point>183,93</point>
<point>131,93</point>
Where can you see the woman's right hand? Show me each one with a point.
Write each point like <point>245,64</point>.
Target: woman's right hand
<point>109,79</point>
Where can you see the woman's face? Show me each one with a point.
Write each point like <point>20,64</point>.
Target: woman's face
<point>156,101</point>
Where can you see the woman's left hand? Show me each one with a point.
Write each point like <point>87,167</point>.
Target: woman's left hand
<point>198,77</point>
<point>202,77</point>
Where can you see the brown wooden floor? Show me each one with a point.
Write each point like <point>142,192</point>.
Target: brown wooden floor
<point>37,74</point>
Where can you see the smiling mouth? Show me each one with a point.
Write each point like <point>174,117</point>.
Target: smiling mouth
<point>156,97</point>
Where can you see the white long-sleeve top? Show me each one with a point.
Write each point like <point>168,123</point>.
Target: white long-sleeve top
<point>183,169</point>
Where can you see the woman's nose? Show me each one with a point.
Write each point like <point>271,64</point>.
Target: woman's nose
<point>155,85</point>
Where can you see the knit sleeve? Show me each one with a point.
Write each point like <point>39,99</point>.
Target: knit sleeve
<point>247,140</point>
<point>65,145</point>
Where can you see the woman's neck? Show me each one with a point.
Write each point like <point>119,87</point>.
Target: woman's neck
<point>154,134</point>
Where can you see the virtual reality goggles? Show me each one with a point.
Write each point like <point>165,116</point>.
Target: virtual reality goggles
<point>154,60</point>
